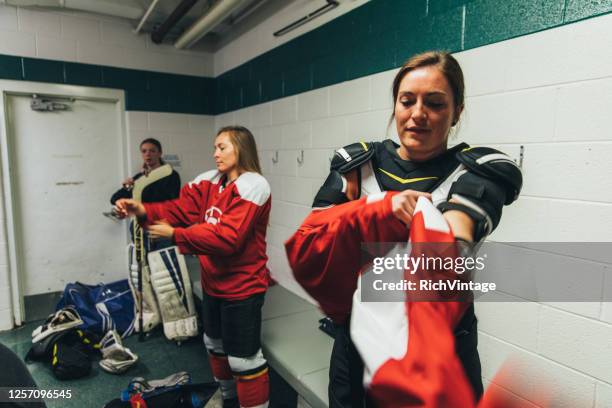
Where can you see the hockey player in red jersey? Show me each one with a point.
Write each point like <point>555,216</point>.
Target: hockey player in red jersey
<point>370,196</point>
<point>222,216</point>
<point>417,366</point>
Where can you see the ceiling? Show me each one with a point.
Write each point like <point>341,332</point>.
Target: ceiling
<point>246,16</point>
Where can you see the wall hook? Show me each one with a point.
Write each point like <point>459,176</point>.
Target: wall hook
<point>300,159</point>
<point>275,157</point>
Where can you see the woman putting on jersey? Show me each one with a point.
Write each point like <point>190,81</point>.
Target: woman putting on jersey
<point>370,196</point>
<point>222,216</point>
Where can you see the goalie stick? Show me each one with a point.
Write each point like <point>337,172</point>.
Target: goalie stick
<point>138,232</point>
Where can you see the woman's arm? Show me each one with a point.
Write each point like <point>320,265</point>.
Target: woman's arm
<point>227,235</point>
<point>325,252</point>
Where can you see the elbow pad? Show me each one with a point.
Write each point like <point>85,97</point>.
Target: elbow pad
<point>490,180</point>
<point>332,192</point>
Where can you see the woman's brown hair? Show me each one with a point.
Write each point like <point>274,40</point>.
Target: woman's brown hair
<point>442,60</point>
<point>246,150</point>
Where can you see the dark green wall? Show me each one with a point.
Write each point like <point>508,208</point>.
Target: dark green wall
<point>372,38</point>
<point>145,90</point>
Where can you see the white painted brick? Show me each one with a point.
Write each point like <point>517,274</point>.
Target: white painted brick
<point>269,138</point>
<point>288,215</point>
<point>296,136</point>
<point>5,298</point>
<point>604,395</point>
<point>56,49</point>
<point>45,23</point>
<point>225,119</point>
<point>265,160</point>
<point>121,34</point>
<point>168,122</point>
<point>329,133</point>
<point>4,259</point>
<point>550,169</point>
<point>606,312</point>
<point>189,64</point>
<point>8,18</point>
<point>313,104</point>
<point>316,163</point>
<point>278,234</point>
<point>242,117</point>
<point>96,53</point>
<point>350,97</point>
<point>17,43</point>
<point>535,273</point>
<point>202,124</point>
<point>6,320</point>
<point>528,66</point>
<point>4,276</point>
<point>533,377</point>
<point>584,111</point>
<point>523,221</point>
<point>297,190</point>
<point>586,309</point>
<point>525,116</point>
<point>521,329</point>
<point>80,28</point>
<point>509,399</point>
<point>260,115</point>
<point>580,343</point>
<point>287,163</point>
<point>369,126</point>
<point>381,96</point>
<point>142,59</point>
<point>283,110</point>
<point>138,120</point>
<point>281,272</point>
<point>275,186</point>
<point>484,68</point>
<point>586,42</point>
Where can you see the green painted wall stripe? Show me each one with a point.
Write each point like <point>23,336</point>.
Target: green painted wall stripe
<point>374,37</point>
<point>145,90</point>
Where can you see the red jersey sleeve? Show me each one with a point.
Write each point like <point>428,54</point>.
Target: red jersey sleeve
<point>180,212</point>
<point>325,252</point>
<point>227,236</point>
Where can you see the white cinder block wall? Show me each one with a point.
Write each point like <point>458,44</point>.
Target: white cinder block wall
<point>85,38</point>
<point>92,39</point>
<point>550,92</point>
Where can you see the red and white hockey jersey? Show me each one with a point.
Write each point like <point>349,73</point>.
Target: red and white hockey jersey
<point>226,227</point>
<point>324,253</point>
<point>408,348</point>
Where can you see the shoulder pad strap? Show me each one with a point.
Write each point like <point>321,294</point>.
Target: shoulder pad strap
<point>352,156</point>
<point>496,166</point>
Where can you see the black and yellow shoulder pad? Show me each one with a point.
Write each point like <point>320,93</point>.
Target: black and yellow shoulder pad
<point>495,166</point>
<point>352,156</point>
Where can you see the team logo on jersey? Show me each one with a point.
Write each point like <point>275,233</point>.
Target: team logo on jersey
<point>212,215</point>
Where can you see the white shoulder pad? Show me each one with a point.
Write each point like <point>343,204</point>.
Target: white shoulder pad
<point>253,187</point>
<point>212,175</point>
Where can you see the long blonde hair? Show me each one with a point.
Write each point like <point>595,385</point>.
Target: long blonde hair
<point>246,150</point>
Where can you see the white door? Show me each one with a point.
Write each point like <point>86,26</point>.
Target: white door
<point>64,167</point>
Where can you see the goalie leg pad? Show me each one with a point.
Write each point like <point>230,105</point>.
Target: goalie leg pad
<point>150,315</point>
<point>172,286</point>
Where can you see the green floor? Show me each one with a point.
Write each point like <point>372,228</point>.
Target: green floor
<point>158,358</point>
